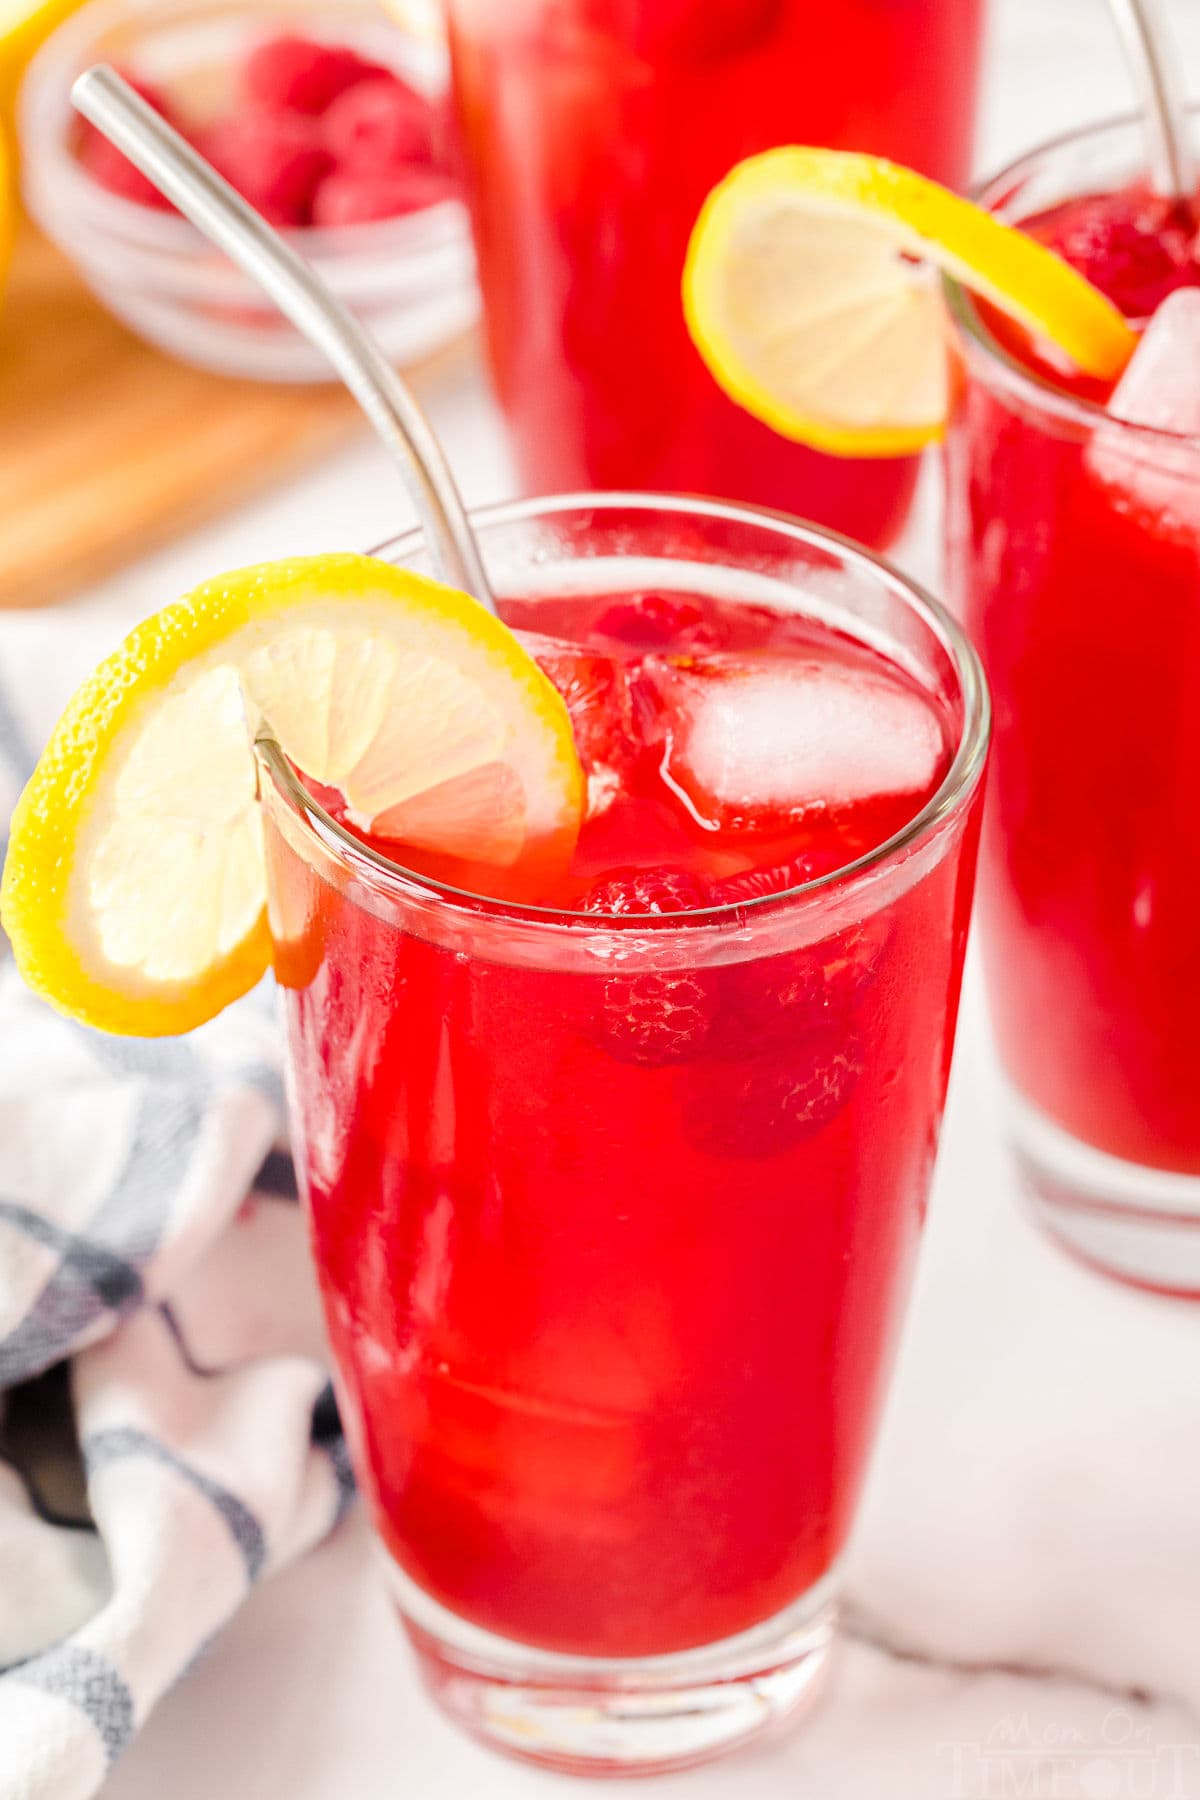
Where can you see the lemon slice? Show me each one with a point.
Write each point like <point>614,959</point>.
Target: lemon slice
<point>133,890</point>
<point>803,297</point>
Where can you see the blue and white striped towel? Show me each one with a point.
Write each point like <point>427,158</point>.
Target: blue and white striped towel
<point>148,1233</point>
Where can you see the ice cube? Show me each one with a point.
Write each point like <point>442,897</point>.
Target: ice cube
<point>1160,388</point>
<point>776,738</point>
<point>598,696</point>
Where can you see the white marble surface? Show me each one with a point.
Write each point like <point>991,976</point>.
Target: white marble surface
<point>1024,1591</point>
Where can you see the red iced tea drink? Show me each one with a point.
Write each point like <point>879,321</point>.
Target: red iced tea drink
<point>594,130</point>
<point>1075,549</point>
<point>614,1196</point>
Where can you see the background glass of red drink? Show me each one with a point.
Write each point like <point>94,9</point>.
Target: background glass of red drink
<point>594,130</point>
<point>1074,550</point>
<point>610,1336</point>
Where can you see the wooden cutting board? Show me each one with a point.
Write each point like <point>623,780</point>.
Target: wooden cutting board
<point>108,448</point>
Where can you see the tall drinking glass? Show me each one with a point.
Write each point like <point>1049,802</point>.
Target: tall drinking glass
<point>611,1321</point>
<point>1074,548</point>
<point>594,130</point>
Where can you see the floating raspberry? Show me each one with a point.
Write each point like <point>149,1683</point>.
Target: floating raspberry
<point>770,1104</point>
<point>275,161</point>
<point>652,621</point>
<point>754,884</point>
<point>302,76</point>
<point>774,1001</point>
<point>379,124</point>
<point>356,196</point>
<point>663,890</point>
<point>1135,246</point>
<point>655,1018</point>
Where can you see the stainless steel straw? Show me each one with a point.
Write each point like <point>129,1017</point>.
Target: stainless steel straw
<point>177,171</point>
<point>1154,63</point>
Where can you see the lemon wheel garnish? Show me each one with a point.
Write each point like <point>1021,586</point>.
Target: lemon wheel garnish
<point>811,292</point>
<point>133,890</point>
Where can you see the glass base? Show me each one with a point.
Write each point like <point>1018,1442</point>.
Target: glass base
<point>637,1716</point>
<point>1137,1224</point>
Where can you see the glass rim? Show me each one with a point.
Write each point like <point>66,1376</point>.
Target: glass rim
<point>949,797</point>
<point>1007,370</point>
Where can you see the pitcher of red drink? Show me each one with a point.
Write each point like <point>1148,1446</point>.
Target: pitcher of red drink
<point>593,131</point>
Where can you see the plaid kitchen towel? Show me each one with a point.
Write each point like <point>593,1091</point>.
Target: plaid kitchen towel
<point>149,1241</point>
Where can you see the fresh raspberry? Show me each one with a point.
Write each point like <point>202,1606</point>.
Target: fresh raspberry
<point>653,621</point>
<point>302,76</point>
<point>654,1018</point>
<point>274,160</point>
<point>661,890</point>
<point>379,124</point>
<point>771,1002</point>
<point>755,884</point>
<point>357,196</point>
<point>659,1016</point>
<point>770,1104</point>
<point>113,170</point>
<point>1135,246</point>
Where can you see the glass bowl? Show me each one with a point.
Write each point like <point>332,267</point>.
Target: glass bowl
<point>410,279</point>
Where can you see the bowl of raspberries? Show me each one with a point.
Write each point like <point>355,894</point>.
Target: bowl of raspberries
<point>329,119</point>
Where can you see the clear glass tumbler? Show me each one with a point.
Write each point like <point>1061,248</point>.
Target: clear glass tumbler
<point>610,1339</point>
<point>1074,554</point>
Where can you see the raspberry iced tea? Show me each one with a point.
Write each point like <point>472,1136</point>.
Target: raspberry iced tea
<point>615,1186</point>
<point>1075,550</point>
